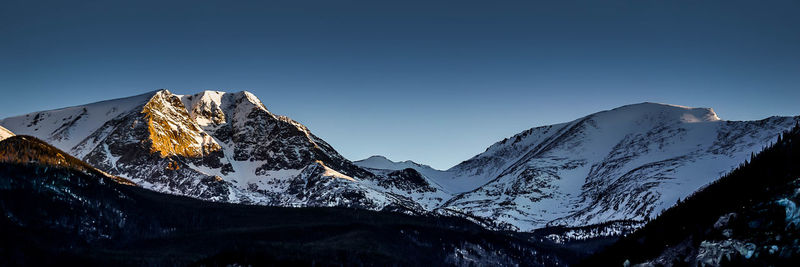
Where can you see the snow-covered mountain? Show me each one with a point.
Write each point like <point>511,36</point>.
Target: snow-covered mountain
<point>5,133</point>
<point>628,163</point>
<point>381,162</point>
<point>211,145</point>
<point>407,178</point>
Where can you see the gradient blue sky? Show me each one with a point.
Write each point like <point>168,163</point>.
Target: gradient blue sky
<point>436,82</point>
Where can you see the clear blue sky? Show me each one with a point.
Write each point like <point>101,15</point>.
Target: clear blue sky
<point>433,82</point>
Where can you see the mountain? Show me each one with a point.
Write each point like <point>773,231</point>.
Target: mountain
<point>212,145</point>
<point>628,163</point>
<point>382,163</point>
<point>746,218</point>
<point>60,211</point>
<point>625,164</point>
<point>5,133</point>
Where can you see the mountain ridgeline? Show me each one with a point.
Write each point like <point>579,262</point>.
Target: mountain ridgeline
<point>748,217</point>
<point>624,164</point>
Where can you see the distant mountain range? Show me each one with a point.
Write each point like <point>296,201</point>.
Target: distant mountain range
<point>629,163</point>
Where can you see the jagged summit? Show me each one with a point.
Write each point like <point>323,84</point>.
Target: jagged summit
<point>213,108</point>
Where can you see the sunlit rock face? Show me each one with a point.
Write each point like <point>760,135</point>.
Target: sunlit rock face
<point>172,132</point>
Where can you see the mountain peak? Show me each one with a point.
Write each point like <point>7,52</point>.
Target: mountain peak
<point>250,97</point>
<point>161,92</point>
<point>665,111</point>
<point>205,107</point>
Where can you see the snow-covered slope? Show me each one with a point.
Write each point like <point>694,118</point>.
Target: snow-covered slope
<point>628,163</point>
<point>212,145</point>
<point>5,133</point>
